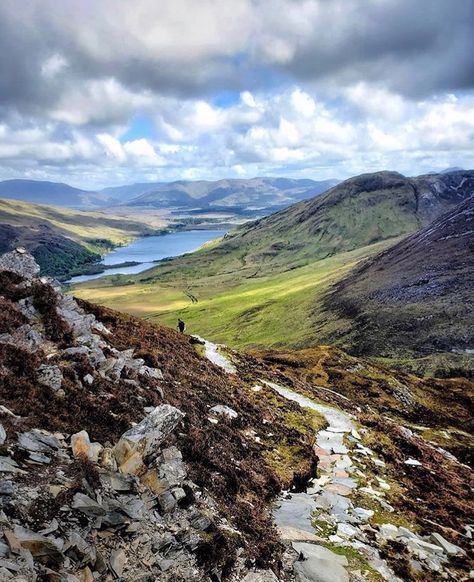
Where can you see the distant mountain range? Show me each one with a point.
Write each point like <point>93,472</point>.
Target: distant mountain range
<point>267,194</point>
<point>55,193</point>
<point>255,193</point>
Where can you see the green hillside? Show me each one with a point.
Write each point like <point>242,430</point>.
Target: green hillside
<point>272,310</point>
<point>63,240</point>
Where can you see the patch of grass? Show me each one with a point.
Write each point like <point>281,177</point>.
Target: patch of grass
<point>275,309</point>
<point>323,527</point>
<point>285,459</point>
<point>357,561</point>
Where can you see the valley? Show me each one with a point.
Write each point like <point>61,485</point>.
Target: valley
<point>237,291</point>
<point>270,282</point>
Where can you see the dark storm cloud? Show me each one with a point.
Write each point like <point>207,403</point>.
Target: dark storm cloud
<point>413,47</point>
<point>189,48</point>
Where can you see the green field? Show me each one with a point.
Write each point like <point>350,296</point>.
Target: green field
<point>78,225</point>
<point>281,309</point>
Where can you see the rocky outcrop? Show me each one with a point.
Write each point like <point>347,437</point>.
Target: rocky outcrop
<point>19,262</point>
<point>76,510</point>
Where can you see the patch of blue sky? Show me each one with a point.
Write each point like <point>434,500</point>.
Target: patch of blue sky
<point>226,99</point>
<point>140,127</point>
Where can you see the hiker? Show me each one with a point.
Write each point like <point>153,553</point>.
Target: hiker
<point>181,326</point>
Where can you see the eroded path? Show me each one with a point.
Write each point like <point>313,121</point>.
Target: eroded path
<point>325,524</point>
<point>214,354</point>
<point>326,506</point>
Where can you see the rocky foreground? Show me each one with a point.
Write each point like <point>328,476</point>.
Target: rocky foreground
<point>130,452</point>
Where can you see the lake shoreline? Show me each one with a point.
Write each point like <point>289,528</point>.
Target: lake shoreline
<point>137,253</point>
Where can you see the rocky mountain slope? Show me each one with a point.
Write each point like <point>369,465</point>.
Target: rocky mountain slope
<point>355,213</point>
<point>63,240</point>
<point>96,419</point>
<point>131,452</point>
<point>417,296</point>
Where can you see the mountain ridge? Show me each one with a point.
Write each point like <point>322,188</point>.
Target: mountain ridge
<point>269,192</point>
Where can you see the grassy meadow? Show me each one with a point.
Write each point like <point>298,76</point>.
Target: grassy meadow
<point>231,306</point>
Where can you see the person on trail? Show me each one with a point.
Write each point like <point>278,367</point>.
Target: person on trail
<point>181,326</point>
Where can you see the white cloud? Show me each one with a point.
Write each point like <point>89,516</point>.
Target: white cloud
<point>99,101</point>
<point>53,65</point>
<point>289,132</point>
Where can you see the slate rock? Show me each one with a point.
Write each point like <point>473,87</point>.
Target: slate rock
<point>82,446</point>
<point>87,505</point>
<point>318,564</point>
<point>50,376</point>
<point>41,547</point>
<point>117,561</point>
<point>155,373</point>
<point>20,262</point>
<point>9,465</point>
<point>37,441</point>
<point>448,547</point>
<point>145,438</point>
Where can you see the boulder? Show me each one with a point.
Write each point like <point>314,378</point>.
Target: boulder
<point>318,564</point>
<point>141,442</point>
<point>82,446</point>
<point>20,262</point>
<point>50,376</point>
<point>3,435</point>
<point>223,410</point>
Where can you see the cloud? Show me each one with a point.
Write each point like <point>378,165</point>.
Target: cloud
<point>290,132</point>
<point>317,87</point>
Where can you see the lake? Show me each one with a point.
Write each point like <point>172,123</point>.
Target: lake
<point>149,249</point>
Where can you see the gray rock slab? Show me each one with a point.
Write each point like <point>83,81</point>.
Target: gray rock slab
<point>448,547</point>
<point>318,564</point>
<point>20,262</point>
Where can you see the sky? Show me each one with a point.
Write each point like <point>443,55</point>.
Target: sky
<point>106,92</point>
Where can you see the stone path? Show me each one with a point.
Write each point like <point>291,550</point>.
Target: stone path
<point>326,509</point>
<point>212,353</point>
<point>327,500</point>
<point>325,512</point>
